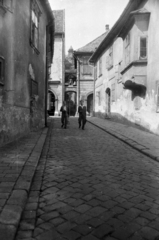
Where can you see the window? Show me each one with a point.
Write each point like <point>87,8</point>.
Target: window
<point>127,49</point>
<point>95,72</point>
<point>1,71</point>
<point>109,58</point>
<point>87,69</point>
<point>34,88</point>
<point>100,66</point>
<point>143,48</point>
<point>113,92</point>
<point>35,14</point>
<point>157,110</point>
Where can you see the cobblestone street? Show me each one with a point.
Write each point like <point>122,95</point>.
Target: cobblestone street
<point>90,185</point>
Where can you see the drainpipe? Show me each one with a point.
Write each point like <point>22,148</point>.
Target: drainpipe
<point>94,82</point>
<point>46,76</point>
<point>78,83</point>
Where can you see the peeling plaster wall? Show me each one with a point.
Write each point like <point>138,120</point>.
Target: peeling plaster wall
<point>19,112</point>
<point>14,122</point>
<point>123,109</point>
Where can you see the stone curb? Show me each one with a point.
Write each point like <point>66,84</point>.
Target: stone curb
<point>11,214</point>
<point>138,146</point>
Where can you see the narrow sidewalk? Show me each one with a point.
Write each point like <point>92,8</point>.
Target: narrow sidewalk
<point>145,142</point>
<point>18,162</point>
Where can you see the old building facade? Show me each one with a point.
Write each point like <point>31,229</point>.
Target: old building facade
<point>26,49</point>
<point>57,76</point>
<point>85,72</point>
<point>127,79</point>
<point>70,83</point>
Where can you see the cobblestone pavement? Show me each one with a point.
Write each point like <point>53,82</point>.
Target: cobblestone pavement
<point>144,141</point>
<point>90,185</point>
<point>18,161</point>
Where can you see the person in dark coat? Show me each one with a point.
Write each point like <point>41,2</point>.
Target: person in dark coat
<point>82,115</point>
<point>64,115</point>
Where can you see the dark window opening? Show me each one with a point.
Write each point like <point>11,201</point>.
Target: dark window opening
<point>143,47</point>
<point>35,15</point>
<point>1,71</point>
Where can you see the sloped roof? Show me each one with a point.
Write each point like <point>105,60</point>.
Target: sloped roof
<point>59,16</point>
<point>140,11</point>
<point>91,47</point>
<point>117,28</point>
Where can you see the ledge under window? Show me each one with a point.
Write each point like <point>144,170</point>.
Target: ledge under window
<point>134,63</point>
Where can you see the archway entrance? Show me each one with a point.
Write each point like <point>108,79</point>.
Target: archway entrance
<point>70,98</point>
<point>108,102</point>
<point>90,104</point>
<point>51,103</point>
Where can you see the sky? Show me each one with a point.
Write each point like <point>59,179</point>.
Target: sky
<point>85,20</point>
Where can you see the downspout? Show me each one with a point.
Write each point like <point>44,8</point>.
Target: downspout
<point>94,82</point>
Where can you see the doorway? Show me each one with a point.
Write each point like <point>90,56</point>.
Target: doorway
<point>51,103</point>
<point>108,102</point>
<point>90,104</point>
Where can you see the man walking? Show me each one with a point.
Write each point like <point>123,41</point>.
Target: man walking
<point>64,115</point>
<point>82,115</point>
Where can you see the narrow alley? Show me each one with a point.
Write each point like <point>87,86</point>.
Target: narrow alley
<point>89,185</point>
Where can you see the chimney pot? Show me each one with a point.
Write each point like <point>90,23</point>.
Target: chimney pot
<point>107,27</point>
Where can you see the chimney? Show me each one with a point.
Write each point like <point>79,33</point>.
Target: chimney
<point>107,27</point>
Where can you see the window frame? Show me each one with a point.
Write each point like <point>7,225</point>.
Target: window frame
<point>100,66</point>
<point>146,39</point>
<point>2,70</point>
<point>35,14</point>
